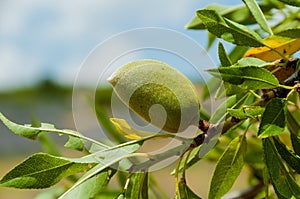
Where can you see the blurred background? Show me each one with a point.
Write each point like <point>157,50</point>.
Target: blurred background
<point>42,46</point>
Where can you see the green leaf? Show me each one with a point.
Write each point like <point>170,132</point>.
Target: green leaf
<point>212,85</point>
<point>76,139</point>
<point>48,145</point>
<point>228,30</point>
<point>254,156</point>
<point>139,187</point>
<point>196,22</point>
<point>283,183</point>
<point>288,156</point>
<point>274,118</point>
<point>115,152</point>
<point>109,194</point>
<point>193,159</point>
<point>228,168</point>
<point>228,90</point>
<point>185,192</point>
<point>266,179</point>
<point>52,193</point>
<point>93,172</point>
<point>41,171</point>
<point>291,33</point>
<point>249,61</point>
<point>239,27</point>
<point>223,57</point>
<point>211,39</point>
<point>295,143</point>
<point>105,123</point>
<point>25,131</point>
<point>258,15</point>
<point>292,124</point>
<point>237,13</point>
<point>90,188</point>
<point>221,110</point>
<point>291,2</point>
<point>246,112</point>
<point>75,142</point>
<point>106,158</point>
<point>248,77</point>
<point>234,101</point>
<point>237,53</point>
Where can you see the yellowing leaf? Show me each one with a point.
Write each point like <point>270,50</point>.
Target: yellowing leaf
<point>285,45</point>
<point>125,129</point>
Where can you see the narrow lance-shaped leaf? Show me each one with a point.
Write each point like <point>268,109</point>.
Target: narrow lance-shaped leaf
<point>274,118</point>
<point>139,186</point>
<point>220,112</point>
<point>283,183</point>
<point>51,193</point>
<point>89,188</point>
<point>228,168</point>
<point>185,192</point>
<point>234,101</point>
<point>196,22</point>
<point>237,13</point>
<point>193,158</point>
<point>291,2</point>
<point>41,171</point>
<point>288,156</point>
<point>295,143</point>
<point>74,142</point>
<point>292,124</point>
<point>106,124</point>
<point>212,85</point>
<point>250,61</point>
<point>105,158</point>
<point>246,112</point>
<point>244,29</point>
<point>237,53</point>
<point>95,171</point>
<point>249,77</point>
<point>228,30</point>
<point>291,33</point>
<point>27,131</point>
<point>258,15</point>
<point>223,57</point>
<point>229,90</point>
<point>210,41</point>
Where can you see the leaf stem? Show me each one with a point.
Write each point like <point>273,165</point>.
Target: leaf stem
<point>177,174</point>
<point>75,135</point>
<point>179,150</point>
<point>185,162</point>
<point>140,140</point>
<point>286,87</point>
<point>255,94</point>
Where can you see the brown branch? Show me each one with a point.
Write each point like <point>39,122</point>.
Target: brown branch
<point>210,130</point>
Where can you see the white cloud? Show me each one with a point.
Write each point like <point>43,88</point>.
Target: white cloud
<point>58,35</point>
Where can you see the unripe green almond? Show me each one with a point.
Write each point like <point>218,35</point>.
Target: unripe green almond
<point>158,93</point>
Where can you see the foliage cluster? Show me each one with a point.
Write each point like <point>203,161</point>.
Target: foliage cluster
<point>260,80</point>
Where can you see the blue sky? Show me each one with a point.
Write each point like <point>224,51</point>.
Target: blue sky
<point>50,39</point>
